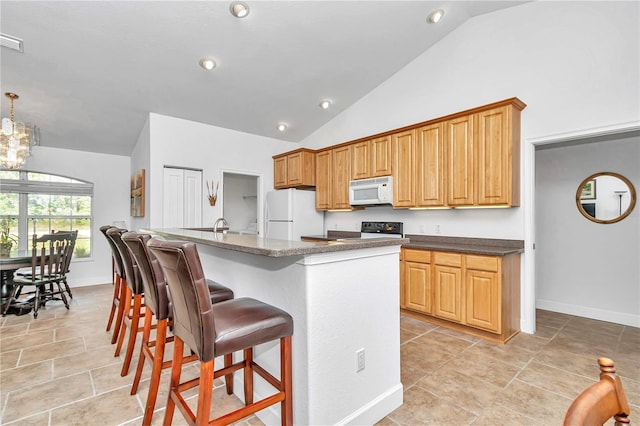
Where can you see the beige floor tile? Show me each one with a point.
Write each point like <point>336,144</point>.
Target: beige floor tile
<point>51,350</point>
<point>83,361</point>
<point>547,408</point>
<point>555,380</point>
<point>497,415</point>
<point>590,336</point>
<point>386,422</point>
<point>529,342</point>
<point>551,319</point>
<point>416,326</point>
<point>443,342</point>
<point>581,347</point>
<point>14,330</point>
<point>422,357</point>
<point>555,356</point>
<point>406,335</point>
<point>511,354</point>
<point>21,342</point>
<point>25,376</point>
<point>597,326</point>
<point>107,378</point>
<point>9,359</point>
<point>36,420</point>
<point>421,407</point>
<point>10,320</point>
<point>483,367</point>
<point>45,396</point>
<point>459,335</point>
<point>464,390</point>
<point>110,408</point>
<point>546,332</point>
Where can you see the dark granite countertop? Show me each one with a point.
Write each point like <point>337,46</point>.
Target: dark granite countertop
<point>271,247</point>
<point>489,246</point>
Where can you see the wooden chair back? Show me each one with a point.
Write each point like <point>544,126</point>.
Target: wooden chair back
<point>600,401</point>
<point>50,255</point>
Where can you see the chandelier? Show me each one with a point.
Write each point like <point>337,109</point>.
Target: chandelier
<point>16,139</point>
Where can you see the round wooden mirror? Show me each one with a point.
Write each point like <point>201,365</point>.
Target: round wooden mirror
<point>606,197</point>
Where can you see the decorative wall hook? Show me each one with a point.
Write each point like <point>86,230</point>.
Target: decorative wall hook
<point>212,194</point>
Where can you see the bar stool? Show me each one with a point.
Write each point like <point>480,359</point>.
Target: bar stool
<point>132,303</point>
<point>117,271</point>
<point>220,329</point>
<point>157,303</point>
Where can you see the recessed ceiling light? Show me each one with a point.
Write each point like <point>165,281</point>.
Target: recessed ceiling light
<point>207,64</point>
<point>282,127</point>
<point>435,16</point>
<point>239,9</point>
<point>325,104</point>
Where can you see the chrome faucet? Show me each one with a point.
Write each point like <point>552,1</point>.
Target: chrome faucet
<point>218,221</point>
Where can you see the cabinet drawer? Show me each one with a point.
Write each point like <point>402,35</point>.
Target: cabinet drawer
<point>420,256</point>
<point>482,263</point>
<point>447,259</point>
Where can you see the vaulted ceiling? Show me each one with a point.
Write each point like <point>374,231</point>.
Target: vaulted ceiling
<point>91,71</point>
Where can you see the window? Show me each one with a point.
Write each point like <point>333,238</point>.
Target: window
<point>41,203</point>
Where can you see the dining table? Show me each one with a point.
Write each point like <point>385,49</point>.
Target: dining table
<point>8,266</point>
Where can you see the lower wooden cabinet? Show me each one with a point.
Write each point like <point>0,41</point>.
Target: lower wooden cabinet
<point>477,294</point>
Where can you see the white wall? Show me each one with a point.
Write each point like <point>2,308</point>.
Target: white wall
<point>575,64</point>
<point>140,160</point>
<point>184,143</point>
<point>110,177</point>
<point>582,267</point>
<point>240,199</point>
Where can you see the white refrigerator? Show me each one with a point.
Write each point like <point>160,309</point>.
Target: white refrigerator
<point>291,213</point>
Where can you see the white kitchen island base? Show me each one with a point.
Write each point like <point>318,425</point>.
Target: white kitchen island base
<point>341,302</point>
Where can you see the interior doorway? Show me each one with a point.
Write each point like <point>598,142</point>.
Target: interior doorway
<point>241,201</point>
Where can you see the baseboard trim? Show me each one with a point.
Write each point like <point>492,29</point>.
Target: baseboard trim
<point>587,312</point>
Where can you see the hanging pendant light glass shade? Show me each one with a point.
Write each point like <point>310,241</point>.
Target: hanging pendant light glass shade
<point>16,139</point>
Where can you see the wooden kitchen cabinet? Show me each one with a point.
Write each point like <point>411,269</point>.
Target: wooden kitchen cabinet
<point>323,179</point>
<point>294,169</point>
<point>498,156</point>
<point>402,157</point>
<point>416,280</point>
<point>333,173</point>
<point>447,280</point>
<point>371,158</point>
<point>430,166</point>
<point>460,161</point>
<point>476,294</point>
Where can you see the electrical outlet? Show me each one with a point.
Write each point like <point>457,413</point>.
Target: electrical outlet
<point>360,357</point>
<point>437,229</point>
<point>422,229</point>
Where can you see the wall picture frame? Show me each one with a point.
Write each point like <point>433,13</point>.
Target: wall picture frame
<point>137,194</point>
<point>589,190</point>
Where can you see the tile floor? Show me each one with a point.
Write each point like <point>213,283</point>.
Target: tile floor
<point>60,370</point>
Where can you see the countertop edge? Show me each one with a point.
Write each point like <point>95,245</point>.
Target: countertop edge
<point>270,247</point>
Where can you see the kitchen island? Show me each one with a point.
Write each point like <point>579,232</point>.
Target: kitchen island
<point>343,297</point>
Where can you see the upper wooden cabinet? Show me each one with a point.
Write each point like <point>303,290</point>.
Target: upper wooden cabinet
<point>371,158</point>
<point>333,173</point>
<point>430,166</point>
<point>294,169</point>
<point>460,164</point>
<point>402,158</point>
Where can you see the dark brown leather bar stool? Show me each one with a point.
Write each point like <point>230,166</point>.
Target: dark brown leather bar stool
<point>117,270</point>
<point>132,301</point>
<point>157,303</point>
<point>220,329</point>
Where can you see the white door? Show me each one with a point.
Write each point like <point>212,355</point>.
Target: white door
<point>182,198</point>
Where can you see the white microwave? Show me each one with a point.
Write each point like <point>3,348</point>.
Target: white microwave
<point>371,192</point>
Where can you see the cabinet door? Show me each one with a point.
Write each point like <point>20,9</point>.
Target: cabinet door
<point>448,292</point>
<point>182,198</point>
<point>495,156</point>
<point>294,169</point>
<point>418,287</point>
<point>460,161</point>
<point>430,166</point>
<point>482,300</point>
<point>360,160</point>
<point>402,153</point>
<point>340,178</point>
<point>381,156</point>
<point>280,172</point>
<point>323,180</point>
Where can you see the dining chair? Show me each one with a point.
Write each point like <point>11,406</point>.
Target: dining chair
<point>49,256</point>
<point>67,267</point>
<point>601,401</point>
